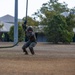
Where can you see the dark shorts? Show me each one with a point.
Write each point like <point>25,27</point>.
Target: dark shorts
<point>29,44</point>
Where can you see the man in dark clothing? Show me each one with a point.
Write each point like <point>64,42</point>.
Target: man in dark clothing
<point>31,41</point>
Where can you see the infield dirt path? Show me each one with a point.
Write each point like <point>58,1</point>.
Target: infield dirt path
<point>48,60</point>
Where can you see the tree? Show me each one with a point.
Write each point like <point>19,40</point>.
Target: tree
<point>70,20</point>
<point>31,21</point>
<point>48,9</point>
<point>59,28</point>
<point>20,33</point>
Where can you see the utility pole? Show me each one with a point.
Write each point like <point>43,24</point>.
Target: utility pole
<point>16,23</point>
<point>26,18</point>
<point>26,8</point>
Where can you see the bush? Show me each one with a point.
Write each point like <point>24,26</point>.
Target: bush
<point>20,33</point>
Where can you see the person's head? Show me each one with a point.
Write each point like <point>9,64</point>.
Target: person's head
<point>30,29</point>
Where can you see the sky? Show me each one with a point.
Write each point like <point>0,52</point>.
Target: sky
<point>7,6</point>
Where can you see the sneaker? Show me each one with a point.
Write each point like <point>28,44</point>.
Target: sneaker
<point>26,53</point>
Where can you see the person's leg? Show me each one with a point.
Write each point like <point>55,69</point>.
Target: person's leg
<point>25,46</point>
<point>31,50</point>
<point>31,47</point>
<point>24,50</point>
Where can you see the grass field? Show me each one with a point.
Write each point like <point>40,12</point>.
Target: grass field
<point>48,60</point>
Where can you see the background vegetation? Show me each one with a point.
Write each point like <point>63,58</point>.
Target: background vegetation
<point>58,27</point>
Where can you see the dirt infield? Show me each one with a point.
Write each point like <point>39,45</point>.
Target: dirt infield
<point>48,60</point>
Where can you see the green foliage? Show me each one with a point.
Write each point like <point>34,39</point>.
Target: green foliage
<point>67,37</point>
<point>20,33</point>
<point>58,28</point>
<point>31,21</point>
<point>48,9</point>
<point>70,20</point>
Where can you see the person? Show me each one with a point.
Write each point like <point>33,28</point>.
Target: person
<point>31,41</point>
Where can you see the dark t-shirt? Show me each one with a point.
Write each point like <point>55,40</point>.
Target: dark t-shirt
<point>31,36</point>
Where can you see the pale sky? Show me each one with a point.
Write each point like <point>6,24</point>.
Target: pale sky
<point>7,6</point>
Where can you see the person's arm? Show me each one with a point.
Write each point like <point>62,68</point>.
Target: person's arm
<point>24,26</point>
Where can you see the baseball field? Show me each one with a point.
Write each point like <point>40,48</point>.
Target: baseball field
<point>49,59</point>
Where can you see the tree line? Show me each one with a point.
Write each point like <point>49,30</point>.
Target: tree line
<point>57,27</point>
